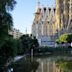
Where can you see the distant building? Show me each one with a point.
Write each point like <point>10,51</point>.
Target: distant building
<point>15,33</point>
<point>43,26</point>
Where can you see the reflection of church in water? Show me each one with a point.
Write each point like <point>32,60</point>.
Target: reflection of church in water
<point>43,24</point>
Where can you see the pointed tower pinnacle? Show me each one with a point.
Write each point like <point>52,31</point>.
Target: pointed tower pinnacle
<point>37,5</point>
<point>26,30</point>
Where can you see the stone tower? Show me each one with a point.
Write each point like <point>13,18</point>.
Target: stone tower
<point>63,15</point>
<point>58,13</point>
<point>69,27</point>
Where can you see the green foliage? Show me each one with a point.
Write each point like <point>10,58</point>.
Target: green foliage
<point>19,49</point>
<point>65,38</point>
<point>6,21</point>
<point>5,25</point>
<point>27,42</point>
<point>64,64</point>
<point>7,5</point>
<point>8,50</point>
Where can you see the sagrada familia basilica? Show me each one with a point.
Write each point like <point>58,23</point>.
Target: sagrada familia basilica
<point>50,22</point>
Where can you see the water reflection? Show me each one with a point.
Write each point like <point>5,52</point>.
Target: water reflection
<point>49,64</point>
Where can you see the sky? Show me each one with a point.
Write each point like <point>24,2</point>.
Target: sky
<point>23,13</point>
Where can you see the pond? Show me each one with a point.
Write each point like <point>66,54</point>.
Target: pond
<point>48,64</point>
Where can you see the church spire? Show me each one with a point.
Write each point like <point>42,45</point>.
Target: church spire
<point>26,30</point>
<point>37,5</point>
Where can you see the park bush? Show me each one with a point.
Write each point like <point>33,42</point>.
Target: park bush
<point>65,38</point>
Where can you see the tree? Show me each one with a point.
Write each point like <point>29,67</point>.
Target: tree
<point>35,42</point>
<point>19,47</point>
<point>5,17</point>
<point>27,42</point>
<point>6,21</point>
<point>65,38</point>
<point>8,52</point>
<point>7,5</point>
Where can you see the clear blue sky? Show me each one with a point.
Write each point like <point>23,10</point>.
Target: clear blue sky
<point>23,13</point>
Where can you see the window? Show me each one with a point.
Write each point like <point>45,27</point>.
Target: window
<point>44,9</point>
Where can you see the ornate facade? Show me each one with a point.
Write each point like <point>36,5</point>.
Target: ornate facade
<point>50,23</point>
<point>43,26</point>
<point>64,15</point>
